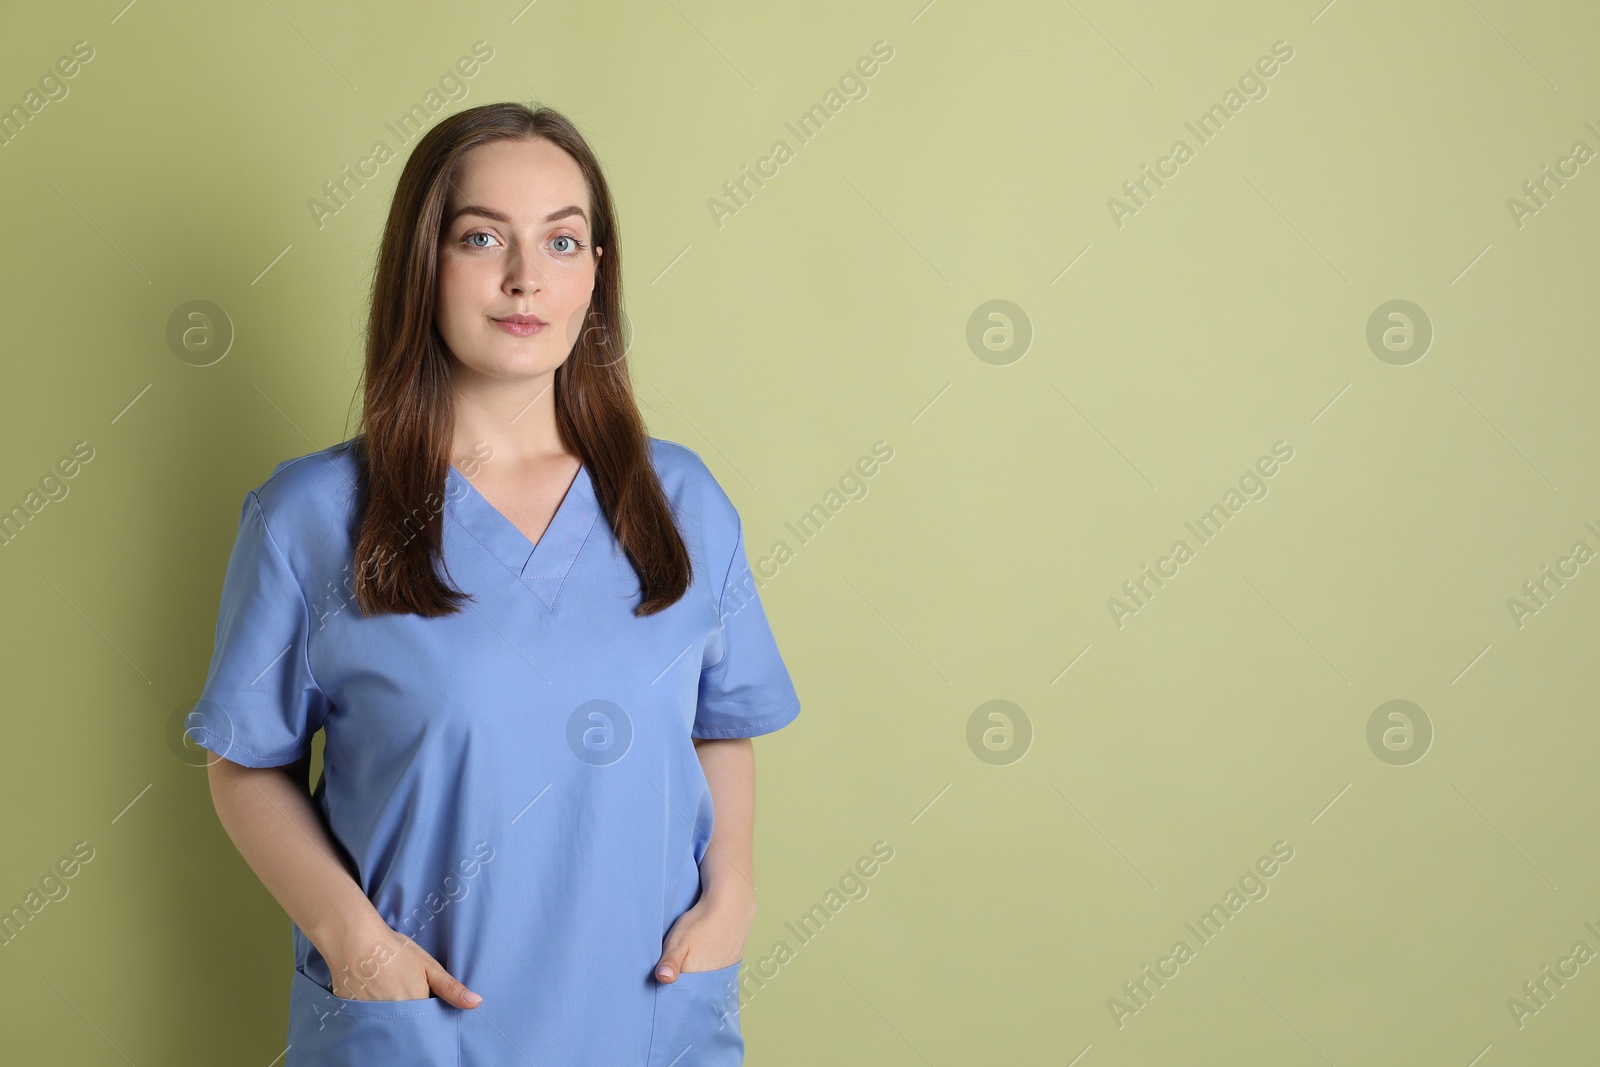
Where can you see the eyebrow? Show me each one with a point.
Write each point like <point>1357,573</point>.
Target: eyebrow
<point>500,216</point>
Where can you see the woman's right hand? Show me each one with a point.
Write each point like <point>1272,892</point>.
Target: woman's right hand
<point>376,962</point>
<point>279,830</point>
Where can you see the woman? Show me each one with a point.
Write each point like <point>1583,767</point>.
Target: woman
<point>532,637</point>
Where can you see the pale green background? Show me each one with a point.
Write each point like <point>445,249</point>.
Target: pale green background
<point>832,312</point>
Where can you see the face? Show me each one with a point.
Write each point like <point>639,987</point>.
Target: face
<point>516,242</point>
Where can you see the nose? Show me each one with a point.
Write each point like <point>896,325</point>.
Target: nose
<point>522,273</point>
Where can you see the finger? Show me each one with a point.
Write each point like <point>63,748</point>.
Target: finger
<point>670,965</point>
<point>445,984</point>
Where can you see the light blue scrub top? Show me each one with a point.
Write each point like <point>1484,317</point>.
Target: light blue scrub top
<point>513,786</point>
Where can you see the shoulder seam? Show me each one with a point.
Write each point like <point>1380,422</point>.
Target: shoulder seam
<point>679,444</point>
<point>738,539</point>
<point>272,542</point>
<point>325,453</point>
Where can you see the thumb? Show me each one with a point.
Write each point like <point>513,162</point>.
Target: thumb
<point>671,964</point>
<point>450,990</point>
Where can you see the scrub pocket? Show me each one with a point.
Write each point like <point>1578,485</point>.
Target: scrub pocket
<point>697,1020</point>
<point>329,1031</point>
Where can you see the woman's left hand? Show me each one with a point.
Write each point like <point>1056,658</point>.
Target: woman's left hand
<point>709,935</point>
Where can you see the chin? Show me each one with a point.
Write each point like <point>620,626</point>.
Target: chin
<point>519,369</point>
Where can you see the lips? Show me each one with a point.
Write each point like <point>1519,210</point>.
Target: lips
<point>521,325</point>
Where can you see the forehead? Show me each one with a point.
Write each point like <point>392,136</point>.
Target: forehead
<point>525,179</point>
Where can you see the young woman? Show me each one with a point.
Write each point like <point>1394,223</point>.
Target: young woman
<point>531,635</point>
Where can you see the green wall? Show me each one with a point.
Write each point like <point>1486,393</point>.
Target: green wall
<point>1342,318</point>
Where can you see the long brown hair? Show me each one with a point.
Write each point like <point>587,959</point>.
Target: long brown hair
<point>408,413</point>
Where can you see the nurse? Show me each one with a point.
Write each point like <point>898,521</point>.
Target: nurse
<point>531,637</point>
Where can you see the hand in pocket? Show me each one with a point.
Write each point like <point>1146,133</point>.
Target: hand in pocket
<point>379,963</point>
<point>707,937</point>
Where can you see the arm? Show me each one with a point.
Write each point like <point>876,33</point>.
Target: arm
<point>726,873</point>
<point>712,934</point>
<point>269,814</point>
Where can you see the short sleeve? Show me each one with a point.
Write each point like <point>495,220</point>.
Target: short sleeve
<point>747,691</point>
<point>260,705</point>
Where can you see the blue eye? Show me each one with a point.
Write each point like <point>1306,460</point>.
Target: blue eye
<point>579,246</point>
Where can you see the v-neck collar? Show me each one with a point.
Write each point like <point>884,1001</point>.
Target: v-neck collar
<point>542,567</point>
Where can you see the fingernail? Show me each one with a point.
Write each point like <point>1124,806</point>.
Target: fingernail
<point>472,998</point>
<point>665,974</point>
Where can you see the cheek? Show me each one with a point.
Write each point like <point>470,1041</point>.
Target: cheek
<point>577,296</point>
<point>457,288</point>
<point>579,288</point>
<point>450,277</point>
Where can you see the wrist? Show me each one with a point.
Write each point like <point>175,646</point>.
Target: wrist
<point>341,932</point>
<point>728,897</point>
